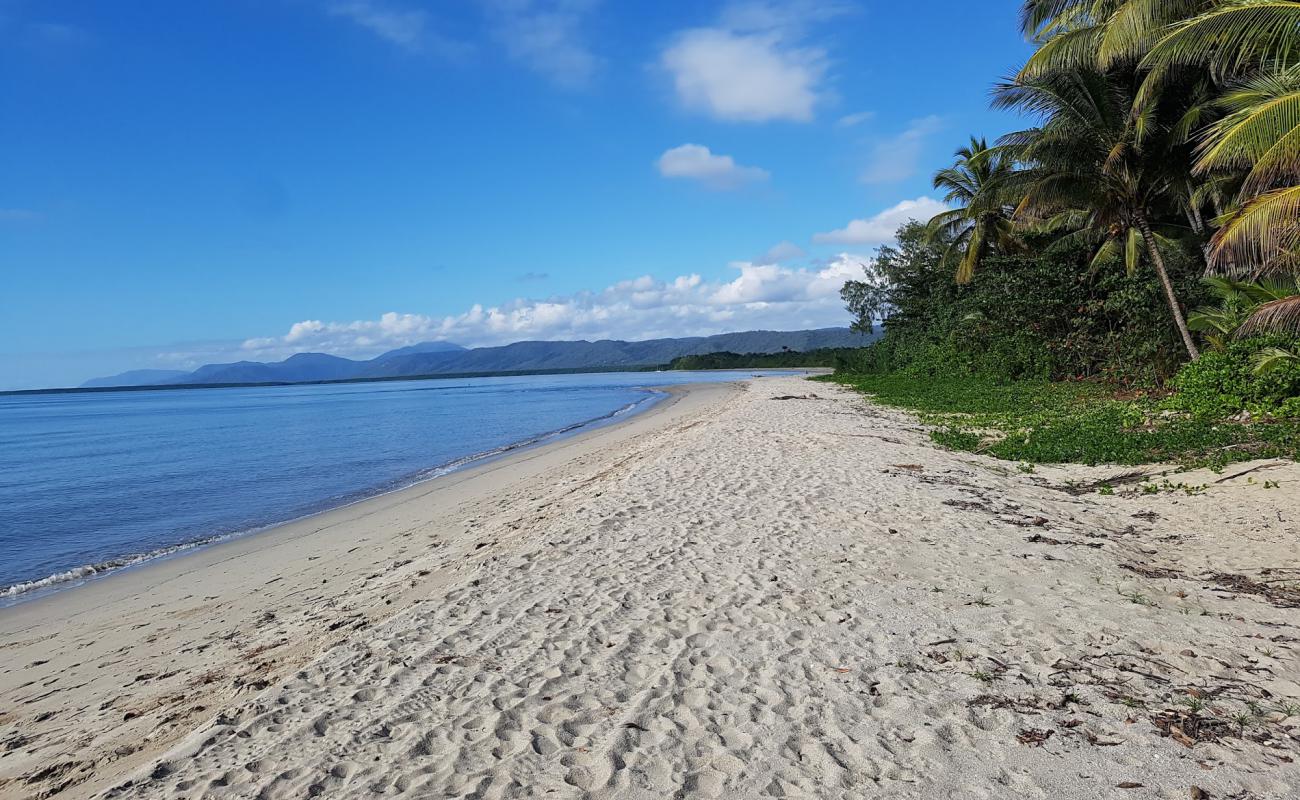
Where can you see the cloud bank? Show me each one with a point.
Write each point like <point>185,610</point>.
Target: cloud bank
<point>759,296</point>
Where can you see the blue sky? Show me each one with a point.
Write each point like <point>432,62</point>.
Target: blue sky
<point>213,180</point>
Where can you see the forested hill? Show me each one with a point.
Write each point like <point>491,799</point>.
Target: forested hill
<point>436,358</point>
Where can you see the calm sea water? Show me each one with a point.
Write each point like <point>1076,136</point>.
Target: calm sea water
<point>94,482</point>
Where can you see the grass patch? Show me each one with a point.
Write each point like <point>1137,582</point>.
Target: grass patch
<point>1072,422</point>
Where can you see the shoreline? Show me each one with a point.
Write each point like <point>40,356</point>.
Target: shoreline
<point>207,553</point>
<point>181,621</point>
<point>82,575</point>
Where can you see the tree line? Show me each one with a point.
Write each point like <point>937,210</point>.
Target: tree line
<point>1161,164</point>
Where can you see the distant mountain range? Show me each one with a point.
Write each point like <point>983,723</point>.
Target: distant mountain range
<point>439,358</point>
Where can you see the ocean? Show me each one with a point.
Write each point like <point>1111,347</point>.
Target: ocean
<point>95,482</point>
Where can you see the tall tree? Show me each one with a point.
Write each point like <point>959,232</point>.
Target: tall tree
<point>1084,160</point>
<point>1252,49</point>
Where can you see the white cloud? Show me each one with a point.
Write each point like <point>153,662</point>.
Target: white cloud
<point>896,158</point>
<point>752,66</point>
<point>760,296</point>
<point>409,29</point>
<point>695,162</point>
<point>780,252</point>
<point>546,36</point>
<point>882,227</point>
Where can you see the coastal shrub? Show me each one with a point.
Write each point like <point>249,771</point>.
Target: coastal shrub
<point>974,397</point>
<point>1222,383</point>
<point>956,438</point>
<point>1037,422</point>
<point>1047,315</point>
<point>823,357</point>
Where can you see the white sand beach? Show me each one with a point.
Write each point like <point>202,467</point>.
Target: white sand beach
<point>768,589</point>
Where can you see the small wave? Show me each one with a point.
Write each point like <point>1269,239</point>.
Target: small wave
<point>89,571</point>
<point>13,592</point>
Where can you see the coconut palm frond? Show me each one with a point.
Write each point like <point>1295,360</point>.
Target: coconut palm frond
<point>1213,320</point>
<point>1267,359</point>
<point>1262,236</point>
<point>1231,36</point>
<point>1261,134</point>
<point>1215,189</point>
<point>1109,251</point>
<point>1281,316</point>
<point>970,259</point>
<point>1042,19</point>
<point>1136,25</point>
<point>1279,165</point>
<point>1272,288</point>
<point>1065,51</point>
<point>1070,220</point>
<point>1132,250</point>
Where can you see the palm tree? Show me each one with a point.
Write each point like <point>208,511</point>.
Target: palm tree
<point>1231,37</point>
<point>1084,161</point>
<point>1253,47</point>
<point>1114,36</point>
<point>1102,34</point>
<point>981,221</point>
<point>1260,138</point>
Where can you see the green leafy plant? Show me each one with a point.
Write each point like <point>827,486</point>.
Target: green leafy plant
<point>1235,379</point>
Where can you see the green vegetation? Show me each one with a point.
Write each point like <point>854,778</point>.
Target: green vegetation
<point>825,357</point>
<point>1035,422</point>
<point>1043,314</point>
<point>1119,281</point>
<point>1230,380</point>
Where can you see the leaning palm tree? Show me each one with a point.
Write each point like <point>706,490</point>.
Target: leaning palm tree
<point>980,221</point>
<point>1084,161</point>
<point>1114,36</point>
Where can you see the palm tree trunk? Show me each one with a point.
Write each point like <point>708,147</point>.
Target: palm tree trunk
<point>1145,227</point>
<point>1198,227</point>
